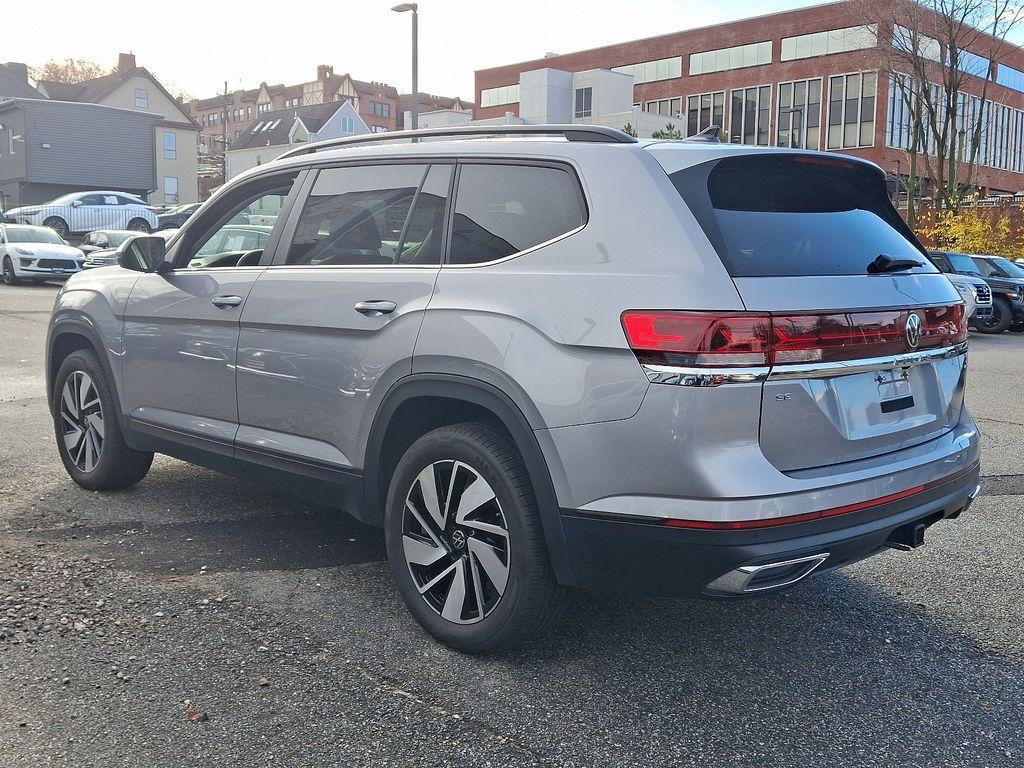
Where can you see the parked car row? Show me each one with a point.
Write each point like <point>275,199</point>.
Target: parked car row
<point>997,284</point>
<point>81,212</point>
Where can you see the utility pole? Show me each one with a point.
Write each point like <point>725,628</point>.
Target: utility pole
<point>224,137</point>
<point>403,8</point>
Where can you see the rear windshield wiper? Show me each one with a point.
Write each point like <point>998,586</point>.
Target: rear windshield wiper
<point>885,263</point>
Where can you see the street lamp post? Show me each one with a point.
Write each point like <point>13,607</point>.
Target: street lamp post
<point>402,8</point>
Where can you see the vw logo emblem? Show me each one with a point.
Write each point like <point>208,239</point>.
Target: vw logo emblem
<point>913,330</point>
<point>458,539</point>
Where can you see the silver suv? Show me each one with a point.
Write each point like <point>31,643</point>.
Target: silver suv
<point>542,358</point>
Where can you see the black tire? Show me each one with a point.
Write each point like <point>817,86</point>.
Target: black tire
<point>140,225</point>
<point>532,600</point>
<point>999,320</point>
<point>118,466</point>
<point>58,225</point>
<point>10,277</point>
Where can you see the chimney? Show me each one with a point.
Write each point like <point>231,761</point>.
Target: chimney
<point>19,70</point>
<point>324,71</point>
<point>125,62</point>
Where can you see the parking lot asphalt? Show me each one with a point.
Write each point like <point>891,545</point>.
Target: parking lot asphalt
<point>202,620</point>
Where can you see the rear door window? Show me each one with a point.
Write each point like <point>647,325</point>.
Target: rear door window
<point>501,210</point>
<point>796,215</point>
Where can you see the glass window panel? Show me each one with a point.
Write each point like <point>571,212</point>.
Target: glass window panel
<point>803,46</point>
<point>788,48</point>
<point>503,209</point>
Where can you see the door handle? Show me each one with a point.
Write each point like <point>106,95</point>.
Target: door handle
<point>226,302</point>
<point>374,308</point>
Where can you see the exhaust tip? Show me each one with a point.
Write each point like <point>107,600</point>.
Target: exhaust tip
<point>751,579</point>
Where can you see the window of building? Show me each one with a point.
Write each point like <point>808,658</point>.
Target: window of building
<point>505,94</point>
<point>900,112</point>
<point>142,98</point>
<point>704,110</point>
<point>736,57</point>
<point>828,42</point>
<point>170,189</point>
<point>651,71</point>
<point>377,215</point>
<point>501,210</point>
<point>799,118</point>
<point>261,108</point>
<point>665,107</point>
<point>296,102</point>
<point>1001,124</point>
<point>584,102</point>
<point>851,110</point>
<point>380,109</point>
<point>1010,77</point>
<point>750,115</point>
<point>1017,146</point>
<point>170,146</point>
<point>972,64</point>
<point>348,125</point>
<point>378,129</point>
<point>907,42</point>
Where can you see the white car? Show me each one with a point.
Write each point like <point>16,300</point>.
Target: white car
<point>81,212</point>
<point>36,253</point>
<point>104,256</point>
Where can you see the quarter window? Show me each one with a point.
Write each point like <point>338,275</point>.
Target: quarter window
<point>378,215</point>
<point>501,210</point>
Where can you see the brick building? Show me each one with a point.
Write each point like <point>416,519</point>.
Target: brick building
<point>806,78</point>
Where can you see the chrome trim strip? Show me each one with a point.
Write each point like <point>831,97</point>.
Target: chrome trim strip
<point>704,377</point>
<point>850,367</point>
<point>685,376</point>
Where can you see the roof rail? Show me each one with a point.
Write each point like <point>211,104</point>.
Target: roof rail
<point>591,133</point>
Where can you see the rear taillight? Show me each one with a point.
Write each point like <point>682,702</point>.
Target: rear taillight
<point>738,339</point>
<point>699,338</point>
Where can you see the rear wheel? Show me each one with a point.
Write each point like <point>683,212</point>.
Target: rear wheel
<point>58,225</point>
<point>999,320</point>
<point>465,543</point>
<point>139,225</point>
<point>10,277</point>
<point>89,437</point>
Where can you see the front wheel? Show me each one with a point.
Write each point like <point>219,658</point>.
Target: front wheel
<point>465,543</point>
<point>10,276</point>
<point>58,225</point>
<point>88,434</point>
<point>999,320</point>
<point>139,225</point>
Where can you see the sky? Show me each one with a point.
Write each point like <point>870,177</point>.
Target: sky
<point>195,46</point>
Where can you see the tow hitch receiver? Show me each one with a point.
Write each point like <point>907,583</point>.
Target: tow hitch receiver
<point>911,535</point>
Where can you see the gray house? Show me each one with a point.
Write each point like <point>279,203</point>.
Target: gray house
<point>49,148</point>
<point>14,82</point>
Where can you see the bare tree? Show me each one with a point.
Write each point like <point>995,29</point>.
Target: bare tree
<point>68,70</point>
<point>941,56</point>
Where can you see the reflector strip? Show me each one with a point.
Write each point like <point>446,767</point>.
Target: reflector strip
<point>734,525</point>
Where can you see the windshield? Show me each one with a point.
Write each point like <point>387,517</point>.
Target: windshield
<point>65,199</point>
<point>1008,267</point>
<point>32,235</point>
<point>796,215</point>
<point>961,263</point>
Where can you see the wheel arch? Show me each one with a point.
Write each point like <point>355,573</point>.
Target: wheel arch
<point>422,402</point>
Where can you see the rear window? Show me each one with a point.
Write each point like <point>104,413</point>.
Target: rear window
<point>796,215</point>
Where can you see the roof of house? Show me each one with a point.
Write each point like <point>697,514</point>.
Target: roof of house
<point>11,85</point>
<point>280,124</point>
<point>94,90</point>
<point>434,102</point>
<point>374,89</point>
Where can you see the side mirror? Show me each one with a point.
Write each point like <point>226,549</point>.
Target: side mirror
<point>143,254</point>
<point>76,203</point>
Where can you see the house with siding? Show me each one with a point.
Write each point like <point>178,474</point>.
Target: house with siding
<point>281,130</point>
<point>174,135</point>
<point>14,82</point>
<point>45,153</point>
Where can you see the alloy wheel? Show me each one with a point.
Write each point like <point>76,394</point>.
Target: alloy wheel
<point>9,276</point>
<point>81,415</point>
<point>456,542</point>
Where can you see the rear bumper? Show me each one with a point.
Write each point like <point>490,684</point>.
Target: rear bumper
<point>647,557</point>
